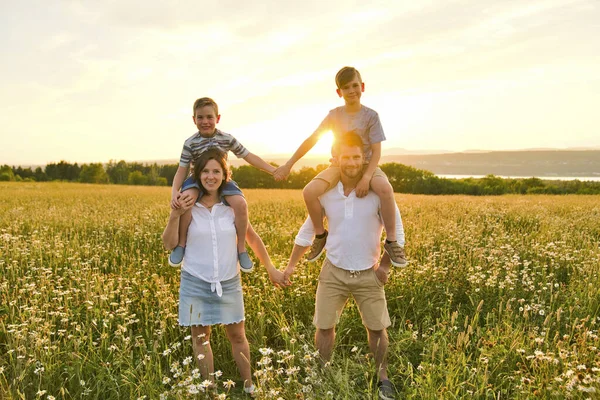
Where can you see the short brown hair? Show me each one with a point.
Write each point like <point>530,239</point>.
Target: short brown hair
<point>345,75</point>
<point>203,102</point>
<point>212,154</point>
<point>350,139</point>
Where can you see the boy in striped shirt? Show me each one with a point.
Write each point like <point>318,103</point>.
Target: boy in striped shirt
<point>206,117</point>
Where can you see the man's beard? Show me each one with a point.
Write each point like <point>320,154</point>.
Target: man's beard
<point>351,173</point>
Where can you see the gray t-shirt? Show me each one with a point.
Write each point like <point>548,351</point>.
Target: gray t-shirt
<point>365,123</point>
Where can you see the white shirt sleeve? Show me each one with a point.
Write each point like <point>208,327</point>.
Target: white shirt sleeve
<point>306,234</point>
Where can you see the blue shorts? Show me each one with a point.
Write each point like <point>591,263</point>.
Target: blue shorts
<point>198,305</point>
<point>230,188</point>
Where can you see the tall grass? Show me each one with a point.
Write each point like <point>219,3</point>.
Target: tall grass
<point>500,301</point>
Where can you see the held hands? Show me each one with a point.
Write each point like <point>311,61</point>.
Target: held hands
<point>362,188</point>
<point>175,201</point>
<point>282,173</point>
<point>185,203</point>
<point>277,277</point>
<point>287,274</point>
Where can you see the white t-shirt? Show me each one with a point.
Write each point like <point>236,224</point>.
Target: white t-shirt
<point>355,227</point>
<point>211,247</point>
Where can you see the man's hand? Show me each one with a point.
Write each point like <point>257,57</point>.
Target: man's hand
<point>382,271</point>
<point>362,188</point>
<point>282,173</point>
<point>277,277</point>
<point>287,274</point>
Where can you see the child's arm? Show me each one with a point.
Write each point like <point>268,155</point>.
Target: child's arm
<point>282,172</point>
<point>362,188</point>
<point>259,163</point>
<point>178,179</point>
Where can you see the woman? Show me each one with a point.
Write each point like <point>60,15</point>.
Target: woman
<point>211,291</point>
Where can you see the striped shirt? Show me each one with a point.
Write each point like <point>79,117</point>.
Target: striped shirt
<point>365,123</point>
<point>197,144</point>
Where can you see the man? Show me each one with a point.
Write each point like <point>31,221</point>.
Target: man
<point>351,266</point>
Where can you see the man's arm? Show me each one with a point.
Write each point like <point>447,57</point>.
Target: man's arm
<point>362,188</point>
<point>302,243</point>
<point>178,180</point>
<point>259,163</point>
<point>297,253</point>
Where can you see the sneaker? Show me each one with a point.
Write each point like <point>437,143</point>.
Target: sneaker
<point>250,390</point>
<point>317,248</point>
<point>176,256</point>
<point>386,390</point>
<point>396,253</point>
<point>246,264</point>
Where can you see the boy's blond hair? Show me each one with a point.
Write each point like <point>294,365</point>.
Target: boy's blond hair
<point>203,102</point>
<point>345,75</point>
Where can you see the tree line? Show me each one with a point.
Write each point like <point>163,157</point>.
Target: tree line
<point>404,179</point>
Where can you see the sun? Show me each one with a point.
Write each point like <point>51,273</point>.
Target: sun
<point>323,146</point>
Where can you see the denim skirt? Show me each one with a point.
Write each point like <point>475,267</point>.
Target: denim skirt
<point>198,305</point>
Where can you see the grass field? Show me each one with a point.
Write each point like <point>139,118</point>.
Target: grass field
<point>500,301</point>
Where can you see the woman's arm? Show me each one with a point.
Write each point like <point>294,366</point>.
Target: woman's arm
<point>257,245</point>
<point>170,235</point>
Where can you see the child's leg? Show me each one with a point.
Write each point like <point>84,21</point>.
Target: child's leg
<point>311,193</point>
<point>381,186</point>
<point>186,219</point>
<point>240,209</point>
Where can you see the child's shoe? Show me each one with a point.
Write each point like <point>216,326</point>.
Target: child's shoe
<point>246,264</point>
<point>396,253</point>
<point>176,256</point>
<point>317,247</point>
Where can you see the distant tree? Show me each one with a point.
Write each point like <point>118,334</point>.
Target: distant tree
<point>137,178</point>
<point>93,173</point>
<point>168,172</point>
<point>117,172</point>
<point>6,173</point>
<point>39,175</point>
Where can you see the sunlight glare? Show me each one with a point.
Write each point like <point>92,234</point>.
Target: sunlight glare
<point>323,146</point>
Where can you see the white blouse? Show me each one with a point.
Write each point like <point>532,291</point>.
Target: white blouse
<point>211,247</point>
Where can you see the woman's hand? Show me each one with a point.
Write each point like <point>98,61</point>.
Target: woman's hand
<point>185,203</point>
<point>276,277</point>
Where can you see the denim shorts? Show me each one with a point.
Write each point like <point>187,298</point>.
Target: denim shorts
<point>198,305</point>
<point>230,188</point>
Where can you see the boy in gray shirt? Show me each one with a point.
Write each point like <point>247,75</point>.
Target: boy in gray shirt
<point>364,121</point>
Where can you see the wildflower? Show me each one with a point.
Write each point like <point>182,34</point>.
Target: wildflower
<point>187,360</point>
<point>265,351</point>
<point>218,374</point>
<point>542,312</point>
<point>40,393</point>
<point>166,380</point>
<point>196,373</point>
<point>188,337</point>
<point>50,397</point>
<point>222,396</point>
<point>206,384</point>
<point>201,356</point>
<point>228,384</point>
<point>354,349</point>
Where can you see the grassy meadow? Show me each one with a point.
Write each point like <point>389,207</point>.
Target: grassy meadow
<point>500,301</point>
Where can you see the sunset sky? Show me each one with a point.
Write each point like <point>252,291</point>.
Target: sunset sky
<point>92,81</point>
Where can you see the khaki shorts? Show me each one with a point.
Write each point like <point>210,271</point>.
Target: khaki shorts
<point>331,175</point>
<point>335,287</point>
